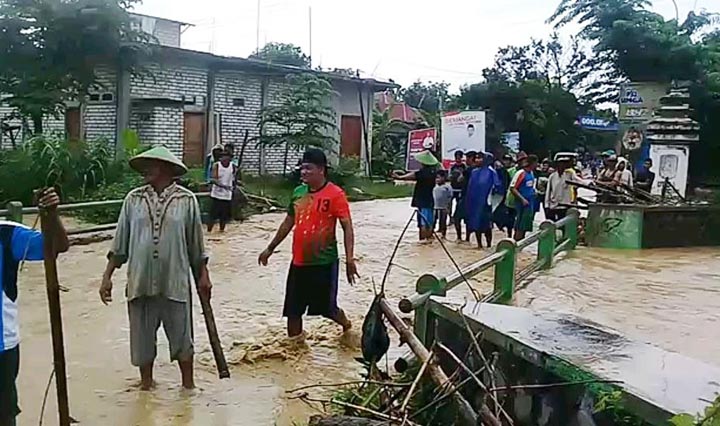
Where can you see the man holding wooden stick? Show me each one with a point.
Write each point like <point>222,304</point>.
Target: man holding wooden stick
<point>159,235</point>
<point>17,244</point>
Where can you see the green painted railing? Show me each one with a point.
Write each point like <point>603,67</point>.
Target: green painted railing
<point>507,279</point>
<point>15,211</point>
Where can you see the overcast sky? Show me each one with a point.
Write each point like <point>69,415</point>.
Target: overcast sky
<point>406,40</point>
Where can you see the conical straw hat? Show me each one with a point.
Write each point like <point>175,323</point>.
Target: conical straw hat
<point>426,158</point>
<point>160,153</point>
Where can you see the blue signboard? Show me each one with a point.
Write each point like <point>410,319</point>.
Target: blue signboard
<point>596,123</point>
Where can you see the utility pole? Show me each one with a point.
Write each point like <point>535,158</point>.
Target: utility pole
<point>310,33</point>
<point>257,28</point>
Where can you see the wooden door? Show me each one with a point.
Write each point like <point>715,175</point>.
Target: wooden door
<point>72,123</point>
<point>350,136</point>
<point>194,136</point>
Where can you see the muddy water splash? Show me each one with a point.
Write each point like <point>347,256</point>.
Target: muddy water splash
<point>248,302</point>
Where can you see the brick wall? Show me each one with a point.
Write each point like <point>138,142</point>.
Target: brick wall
<point>274,157</point>
<point>230,88</point>
<point>171,82</point>
<point>100,116</point>
<point>159,125</point>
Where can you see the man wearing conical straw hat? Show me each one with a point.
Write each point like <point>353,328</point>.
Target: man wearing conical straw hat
<point>159,235</point>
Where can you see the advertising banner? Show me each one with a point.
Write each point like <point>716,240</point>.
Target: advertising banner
<point>511,140</point>
<point>638,101</point>
<point>671,162</point>
<point>419,141</point>
<point>590,122</point>
<point>462,131</point>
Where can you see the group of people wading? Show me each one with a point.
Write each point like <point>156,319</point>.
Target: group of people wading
<point>159,238</point>
<point>481,192</point>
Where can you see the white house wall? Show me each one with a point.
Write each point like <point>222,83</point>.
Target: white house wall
<point>235,119</point>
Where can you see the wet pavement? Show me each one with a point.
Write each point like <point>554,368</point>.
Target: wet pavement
<point>668,297</point>
<point>247,300</point>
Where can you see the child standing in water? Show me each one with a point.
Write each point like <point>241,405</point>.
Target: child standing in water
<point>442,195</point>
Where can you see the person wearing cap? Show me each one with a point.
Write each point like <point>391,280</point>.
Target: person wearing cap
<point>312,282</point>
<point>607,174</point>
<point>523,190</point>
<point>422,198</point>
<point>160,237</point>
<point>560,193</point>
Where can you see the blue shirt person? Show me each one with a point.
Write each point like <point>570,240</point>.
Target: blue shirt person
<point>18,243</point>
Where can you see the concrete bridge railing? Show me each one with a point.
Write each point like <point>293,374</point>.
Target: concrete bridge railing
<point>15,211</point>
<point>504,261</point>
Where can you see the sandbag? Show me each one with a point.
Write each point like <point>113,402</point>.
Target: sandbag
<point>375,339</point>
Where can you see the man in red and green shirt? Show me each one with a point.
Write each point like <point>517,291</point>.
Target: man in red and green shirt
<point>316,207</point>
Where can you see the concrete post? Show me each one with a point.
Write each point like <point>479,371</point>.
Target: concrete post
<point>504,284</point>
<point>571,229</point>
<point>15,211</point>
<point>123,108</point>
<point>546,244</point>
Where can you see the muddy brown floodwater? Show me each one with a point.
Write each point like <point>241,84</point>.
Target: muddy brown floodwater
<point>247,300</point>
<point>668,297</point>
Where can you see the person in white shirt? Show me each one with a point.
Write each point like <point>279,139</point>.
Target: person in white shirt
<point>223,179</point>
<point>623,176</point>
<point>559,193</point>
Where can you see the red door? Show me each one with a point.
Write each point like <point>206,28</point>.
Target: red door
<point>350,136</point>
<point>72,123</point>
<point>194,134</point>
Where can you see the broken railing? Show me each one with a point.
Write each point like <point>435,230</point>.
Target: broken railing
<point>552,238</point>
<point>15,211</point>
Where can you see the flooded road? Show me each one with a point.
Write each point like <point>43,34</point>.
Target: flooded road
<point>247,300</point>
<point>665,296</point>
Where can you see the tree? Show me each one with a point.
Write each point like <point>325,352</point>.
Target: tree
<point>566,66</point>
<point>430,97</point>
<point>51,50</point>
<point>389,138</point>
<point>300,117</point>
<point>283,54</point>
<point>633,43</point>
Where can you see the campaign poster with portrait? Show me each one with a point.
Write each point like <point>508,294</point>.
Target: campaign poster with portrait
<point>670,162</point>
<point>419,141</point>
<point>462,131</point>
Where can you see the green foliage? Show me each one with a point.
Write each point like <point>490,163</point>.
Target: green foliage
<point>282,54</point>
<point>609,405</point>
<point>300,117</point>
<point>52,49</point>
<point>430,97</point>
<point>49,160</point>
<point>711,417</point>
<point>389,139</point>
<point>347,169</point>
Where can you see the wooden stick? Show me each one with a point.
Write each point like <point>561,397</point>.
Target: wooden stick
<point>485,411</point>
<point>476,344</point>
<point>354,382</point>
<point>552,385</point>
<point>439,377</point>
<point>403,407</point>
<point>47,219</point>
<point>218,354</point>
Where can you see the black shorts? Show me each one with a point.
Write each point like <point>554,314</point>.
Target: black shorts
<point>220,210</point>
<point>311,289</point>
<point>9,367</point>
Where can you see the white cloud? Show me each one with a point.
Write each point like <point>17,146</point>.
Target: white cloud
<point>451,40</point>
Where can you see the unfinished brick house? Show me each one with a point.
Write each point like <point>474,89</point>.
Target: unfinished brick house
<point>191,100</point>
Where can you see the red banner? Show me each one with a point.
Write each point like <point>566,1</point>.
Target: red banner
<point>419,141</point>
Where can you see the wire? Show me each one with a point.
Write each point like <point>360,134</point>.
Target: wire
<point>45,397</point>
<point>474,292</point>
<point>392,256</point>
